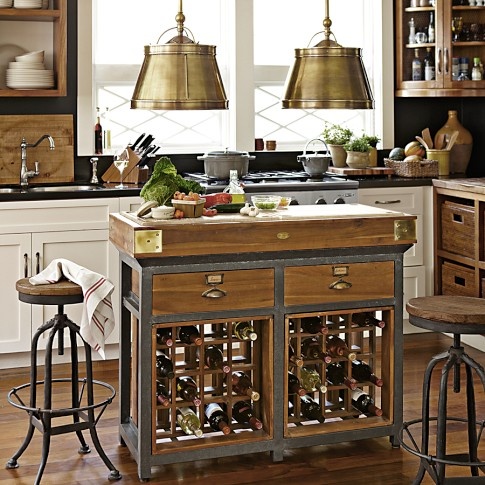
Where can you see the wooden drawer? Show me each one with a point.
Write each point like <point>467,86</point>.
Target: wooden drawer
<point>458,229</point>
<point>457,280</point>
<point>214,291</point>
<point>338,282</point>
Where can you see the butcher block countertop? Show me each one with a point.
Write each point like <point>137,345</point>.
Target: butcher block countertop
<point>474,185</point>
<point>295,228</point>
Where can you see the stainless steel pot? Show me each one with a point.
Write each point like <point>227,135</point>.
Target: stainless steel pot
<point>218,164</point>
<point>316,163</point>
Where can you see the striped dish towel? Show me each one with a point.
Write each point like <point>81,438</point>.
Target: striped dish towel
<point>98,317</point>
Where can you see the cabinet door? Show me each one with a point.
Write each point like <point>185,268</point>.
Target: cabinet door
<point>90,249</point>
<point>413,287</point>
<point>15,327</point>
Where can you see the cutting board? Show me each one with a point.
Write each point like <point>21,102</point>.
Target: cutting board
<point>54,165</point>
<point>362,172</point>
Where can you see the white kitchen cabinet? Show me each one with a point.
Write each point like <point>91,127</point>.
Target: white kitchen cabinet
<point>35,233</point>
<point>130,204</point>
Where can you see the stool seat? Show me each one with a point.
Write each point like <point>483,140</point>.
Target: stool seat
<point>63,292</point>
<point>450,314</point>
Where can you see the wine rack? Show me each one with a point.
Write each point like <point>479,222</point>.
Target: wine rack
<point>370,344</point>
<point>214,385</point>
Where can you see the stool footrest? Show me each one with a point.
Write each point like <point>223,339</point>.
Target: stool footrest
<point>463,480</point>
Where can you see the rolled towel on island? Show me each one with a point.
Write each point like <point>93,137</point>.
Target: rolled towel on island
<point>97,320</point>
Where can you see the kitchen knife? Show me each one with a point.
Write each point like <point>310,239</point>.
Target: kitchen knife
<point>138,140</point>
<point>146,142</point>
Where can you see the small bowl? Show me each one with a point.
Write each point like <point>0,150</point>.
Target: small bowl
<point>163,212</point>
<point>266,202</point>
<point>284,202</point>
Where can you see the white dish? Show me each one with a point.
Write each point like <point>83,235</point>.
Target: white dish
<point>26,65</point>
<point>7,54</point>
<point>6,3</point>
<point>162,212</point>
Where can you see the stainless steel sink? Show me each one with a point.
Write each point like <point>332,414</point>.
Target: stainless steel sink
<point>64,188</point>
<point>9,190</point>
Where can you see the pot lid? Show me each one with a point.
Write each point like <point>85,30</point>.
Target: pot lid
<point>226,153</point>
<point>146,207</point>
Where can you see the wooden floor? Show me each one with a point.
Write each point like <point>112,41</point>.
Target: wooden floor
<point>370,462</point>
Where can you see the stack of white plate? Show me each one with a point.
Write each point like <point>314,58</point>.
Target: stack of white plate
<point>6,3</point>
<point>28,72</point>
<point>27,3</point>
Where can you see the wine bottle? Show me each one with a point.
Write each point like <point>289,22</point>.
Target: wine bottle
<point>187,390</point>
<point>164,366</point>
<point>366,319</point>
<point>362,371</point>
<point>311,381</point>
<point>364,403</point>
<point>336,347</point>
<point>217,418</point>
<point>310,409</point>
<point>189,422</point>
<point>190,334</point>
<point>242,412</point>
<point>98,135</point>
<point>336,376</point>
<point>162,395</point>
<point>311,349</point>
<point>242,385</point>
<point>214,359</point>
<point>244,331</point>
<point>293,358</point>
<point>164,337</point>
<point>294,385</point>
<point>313,325</point>
<point>431,31</point>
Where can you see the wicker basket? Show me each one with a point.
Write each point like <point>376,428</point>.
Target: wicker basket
<point>414,168</point>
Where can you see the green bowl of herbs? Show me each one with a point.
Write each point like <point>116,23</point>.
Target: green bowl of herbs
<point>266,202</point>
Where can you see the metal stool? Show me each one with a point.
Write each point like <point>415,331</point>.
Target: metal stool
<point>60,294</point>
<point>457,315</point>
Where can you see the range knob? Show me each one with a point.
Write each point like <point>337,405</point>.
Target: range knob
<point>339,200</point>
<point>321,201</point>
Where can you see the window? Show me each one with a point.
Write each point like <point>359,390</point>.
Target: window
<point>255,42</point>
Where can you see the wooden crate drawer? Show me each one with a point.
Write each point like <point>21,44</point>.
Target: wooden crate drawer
<point>458,229</point>
<point>457,280</point>
<point>338,282</point>
<point>233,290</point>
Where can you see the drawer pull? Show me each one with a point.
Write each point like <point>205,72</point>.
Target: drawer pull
<point>340,284</point>
<point>214,293</point>
<point>384,202</point>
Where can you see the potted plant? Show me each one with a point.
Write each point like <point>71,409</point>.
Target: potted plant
<point>358,152</point>
<point>373,140</point>
<point>335,136</point>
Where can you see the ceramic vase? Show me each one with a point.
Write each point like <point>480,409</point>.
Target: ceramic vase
<point>358,159</point>
<point>339,155</point>
<point>462,149</point>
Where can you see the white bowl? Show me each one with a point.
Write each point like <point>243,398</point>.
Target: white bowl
<point>34,56</point>
<point>266,202</point>
<point>163,212</point>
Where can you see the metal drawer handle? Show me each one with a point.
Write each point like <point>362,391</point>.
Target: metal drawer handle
<point>340,284</point>
<point>214,293</point>
<point>26,265</point>
<point>397,201</point>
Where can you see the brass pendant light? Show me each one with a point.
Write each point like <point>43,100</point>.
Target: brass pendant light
<point>179,75</point>
<point>328,76</point>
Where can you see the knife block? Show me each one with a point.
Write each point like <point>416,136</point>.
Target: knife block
<point>131,175</point>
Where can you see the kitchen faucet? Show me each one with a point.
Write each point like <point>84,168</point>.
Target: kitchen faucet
<point>25,173</point>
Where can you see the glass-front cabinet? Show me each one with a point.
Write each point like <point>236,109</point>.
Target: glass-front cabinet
<point>440,48</point>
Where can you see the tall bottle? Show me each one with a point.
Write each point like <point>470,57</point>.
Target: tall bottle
<point>162,394</point>
<point>336,347</point>
<point>190,334</point>
<point>164,337</point>
<point>313,325</point>
<point>416,67</point>
<point>214,359</point>
<point>294,385</point>
<point>164,366</point>
<point>217,418</point>
<point>310,409</point>
<point>242,412</point>
<point>311,349</point>
<point>429,65</point>
<point>234,188</point>
<point>364,403</point>
<point>242,385</point>
<point>362,371</point>
<point>98,135</point>
<point>107,131</point>
<point>367,319</point>
<point>187,390</point>
<point>311,381</point>
<point>476,70</point>
<point>431,31</point>
<point>189,422</point>
<point>412,31</point>
<point>244,330</point>
<point>336,376</point>
<point>293,358</point>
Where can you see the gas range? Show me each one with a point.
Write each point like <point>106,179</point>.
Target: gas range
<point>303,189</point>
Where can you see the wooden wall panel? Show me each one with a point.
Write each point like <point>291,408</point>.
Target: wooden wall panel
<point>54,165</point>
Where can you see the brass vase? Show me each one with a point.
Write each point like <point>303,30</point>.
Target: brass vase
<point>462,149</point>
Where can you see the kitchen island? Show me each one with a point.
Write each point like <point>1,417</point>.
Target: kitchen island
<point>277,271</point>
